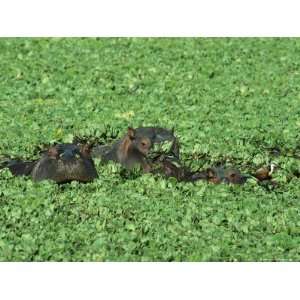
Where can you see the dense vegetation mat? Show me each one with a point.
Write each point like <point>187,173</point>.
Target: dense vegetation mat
<point>232,101</point>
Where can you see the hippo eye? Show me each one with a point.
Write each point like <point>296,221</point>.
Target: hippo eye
<point>144,143</point>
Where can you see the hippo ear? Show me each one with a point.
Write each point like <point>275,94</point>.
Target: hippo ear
<point>89,145</point>
<point>175,148</point>
<point>211,173</point>
<point>86,149</point>
<point>52,152</point>
<point>131,133</point>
